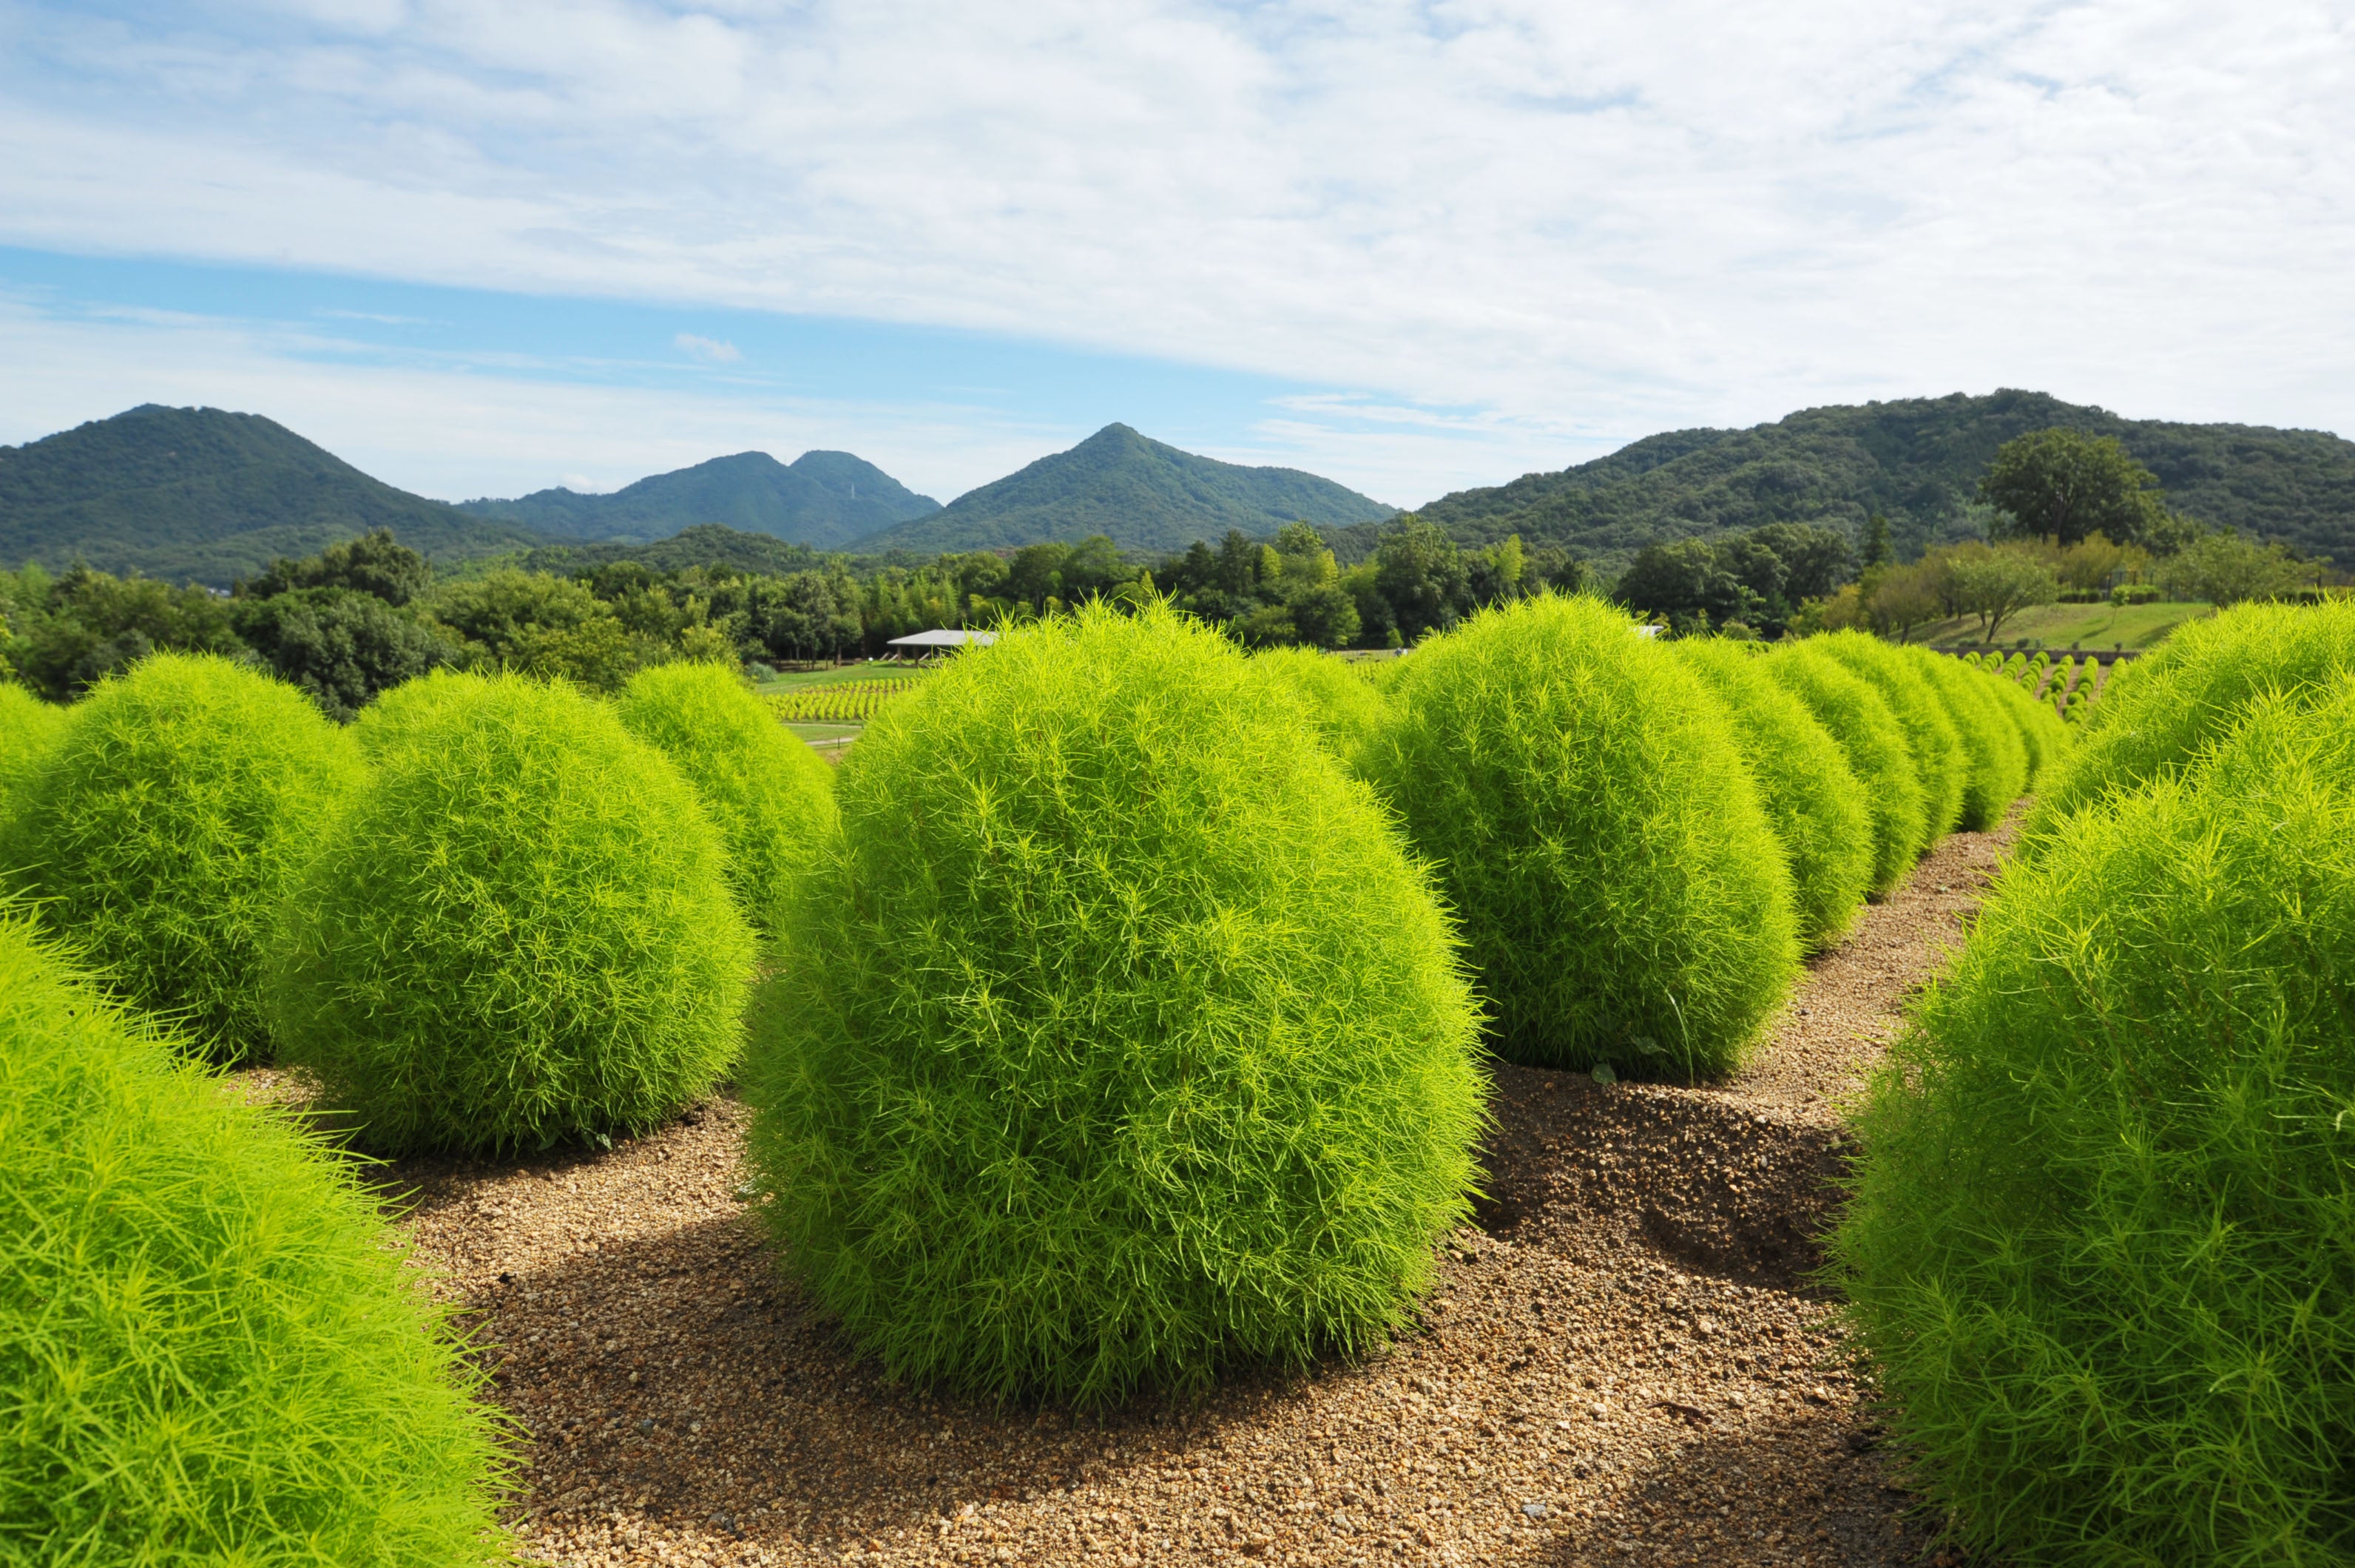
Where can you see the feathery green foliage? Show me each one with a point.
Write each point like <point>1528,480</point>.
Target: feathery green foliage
<point>1869,735</point>
<point>2102,1242</point>
<point>30,730</point>
<point>518,932</point>
<point>2042,733</point>
<point>166,825</point>
<point>1344,706</point>
<point>768,795</point>
<point>2158,712</point>
<point>1622,895</point>
<point>1115,1038</point>
<point>211,1349</point>
<point>1994,758</point>
<point>1930,738</point>
<point>1810,793</point>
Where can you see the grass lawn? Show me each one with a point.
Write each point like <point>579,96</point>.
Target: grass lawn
<point>827,737</point>
<point>865,670</point>
<point>2088,626</point>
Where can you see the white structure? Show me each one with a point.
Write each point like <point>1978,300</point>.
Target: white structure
<point>923,644</point>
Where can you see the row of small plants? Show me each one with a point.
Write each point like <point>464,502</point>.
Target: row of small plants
<point>2070,684</point>
<point>2101,1245</point>
<point>840,702</point>
<point>1125,995</point>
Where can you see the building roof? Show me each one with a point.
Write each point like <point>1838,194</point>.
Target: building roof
<point>939,639</point>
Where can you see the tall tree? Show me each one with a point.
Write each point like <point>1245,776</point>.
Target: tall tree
<point>2063,484</point>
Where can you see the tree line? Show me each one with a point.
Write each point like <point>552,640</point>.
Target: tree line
<point>2063,514</point>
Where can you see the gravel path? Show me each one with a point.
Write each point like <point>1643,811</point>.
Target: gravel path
<point>1624,1364</point>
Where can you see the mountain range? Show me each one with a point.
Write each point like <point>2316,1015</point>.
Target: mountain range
<point>827,499</point>
<point>206,495</point>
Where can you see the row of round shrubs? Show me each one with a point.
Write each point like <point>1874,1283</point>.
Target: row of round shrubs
<point>1117,1031</point>
<point>2102,1242</point>
<point>493,914</point>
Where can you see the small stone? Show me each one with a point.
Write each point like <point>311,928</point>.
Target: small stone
<point>1535,1510</point>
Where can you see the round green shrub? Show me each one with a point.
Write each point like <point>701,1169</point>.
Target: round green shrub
<point>166,825</point>
<point>1930,738</point>
<point>1346,706</point>
<point>520,931</point>
<point>30,730</point>
<point>2158,711</point>
<point>1811,795</point>
<point>1622,896</point>
<point>1116,1037</point>
<point>2102,1240</point>
<point>1868,736</point>
<point>394,716</point>
<point>1995,760</point>
<point>211,1347</point>
<point>766,791</point>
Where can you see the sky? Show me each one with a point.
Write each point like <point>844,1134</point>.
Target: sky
<point>479,250</point>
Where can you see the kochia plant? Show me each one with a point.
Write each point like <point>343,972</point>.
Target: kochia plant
<point>211,1347</point>
<point>29,731</point>
<point>520,931</point>
<point>1868,736</point>
<point>1930,738</point>
<point>1995,760</point>
<point>1812,797</point>
<point>1622,896</point>
<point>166,825</point>
<point>768,795</point>
<point>2102,1240</point>
<point>2156,712</point>
<point>1344,706</point>
<point>1115,1038</point>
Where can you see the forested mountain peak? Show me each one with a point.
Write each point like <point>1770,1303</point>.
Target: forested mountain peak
<point>1916,461</point>
<point>821,498</point>
<point>205,495</point>
<point>1141,492</point>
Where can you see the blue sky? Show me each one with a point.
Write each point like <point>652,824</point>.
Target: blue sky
<point>1412,246</point>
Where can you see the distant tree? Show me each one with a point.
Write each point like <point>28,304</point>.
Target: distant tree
<point>1325,616</point>
<point>375,563</point>
<point>2063,485</point>
<point>1815,560</point>
<point>341,646</point>
<point>71,631</point>
<point>1995,582</point>
<point>2225,569</point>
<point>1894,600</point>
<point>1420,574</point>
<point>1237,564</point>
<point>541,625</point>
<point>1877,549</point>
<point>1688,584</point>
<point>1035,573</point>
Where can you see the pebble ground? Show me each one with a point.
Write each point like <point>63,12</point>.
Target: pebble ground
<point>1624,1363</point>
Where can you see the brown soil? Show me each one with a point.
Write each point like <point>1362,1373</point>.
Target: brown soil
<point>1624,1363</point>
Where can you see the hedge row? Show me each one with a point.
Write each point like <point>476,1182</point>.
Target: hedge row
<point>2102,1243</point>
<point>840,702</point>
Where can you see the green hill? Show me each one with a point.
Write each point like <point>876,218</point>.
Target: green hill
<point>1918,461</point>
<point>204,496</point>
<point>1144,494</point>
<point>821,498</point>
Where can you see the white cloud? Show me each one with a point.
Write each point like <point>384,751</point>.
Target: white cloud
<point>1581,223</point>
<point>710,350</point>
